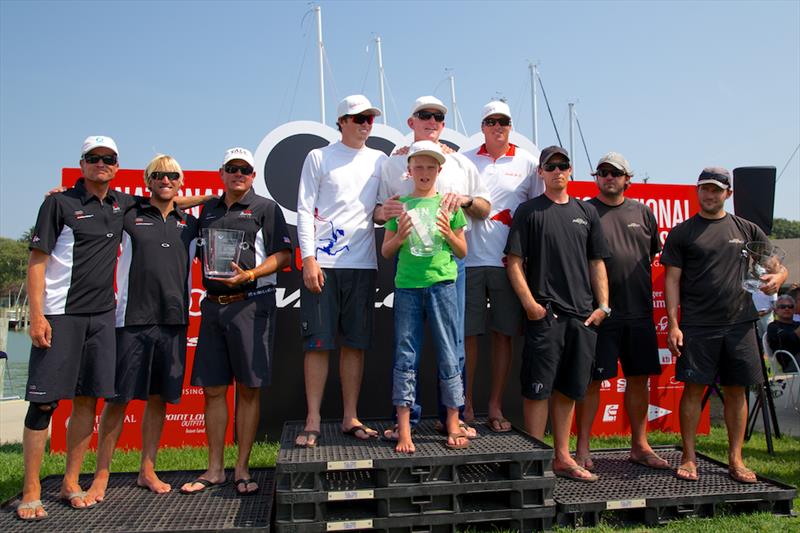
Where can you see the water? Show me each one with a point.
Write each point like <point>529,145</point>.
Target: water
<point>18,350</point>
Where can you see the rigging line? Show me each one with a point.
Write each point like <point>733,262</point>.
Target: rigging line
<point>297,82</point>
<point>336,97</point>
<point>787,163</point>
<point>366,74</point>
<point>391,95</point>
<point>580,131</point>
<point>550,111</point>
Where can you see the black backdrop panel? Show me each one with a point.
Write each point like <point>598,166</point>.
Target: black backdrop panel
<point>754,195</point>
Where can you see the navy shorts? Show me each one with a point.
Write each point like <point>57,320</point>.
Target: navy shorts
<point>235,342</point>
<point>728,351</point>
<point>633,342</point>
<point>345,305</point>
<point>558,355</point>
<point>491,284</point>
<point>150,361</point>
<point>80,361</point>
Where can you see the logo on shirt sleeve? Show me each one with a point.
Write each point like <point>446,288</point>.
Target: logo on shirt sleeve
<point>580,221</point>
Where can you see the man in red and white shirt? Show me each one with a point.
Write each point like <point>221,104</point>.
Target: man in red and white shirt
<point>509,173</point>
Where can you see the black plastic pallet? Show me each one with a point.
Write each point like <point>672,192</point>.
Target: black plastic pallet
<point>627,493</point>
<point>423,500</point>
<point>514,455</point>
<point>128,508</point>
<point>533,519</point>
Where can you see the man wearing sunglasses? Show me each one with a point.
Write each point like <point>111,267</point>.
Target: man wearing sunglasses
<point>555,249</point>
<point>460,185</point>
<point>71,290</point>
<point>509,172</point>
<point>335,204</point>
<point>716,335</point>
<point>784,333</point>
<point>238,318</point>
<point>629,335</point>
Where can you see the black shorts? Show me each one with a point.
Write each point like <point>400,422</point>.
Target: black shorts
<point>558,355</point>
<point>346,304</point>
<point>235,342</point>
<point>80,361</point>
<point>730,351</point>
<point>492,284</point>
<point>150,361</point>
<point>633,342</point>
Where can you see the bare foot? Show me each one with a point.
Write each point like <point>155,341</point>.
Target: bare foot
<point>97,492</point>
<point>405,445</point>
<point>213,478</point>
<point>150,480</point>
<point>687,471</point>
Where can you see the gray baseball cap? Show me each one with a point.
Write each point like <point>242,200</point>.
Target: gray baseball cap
<point>616,160</point>
<point>717,175</point>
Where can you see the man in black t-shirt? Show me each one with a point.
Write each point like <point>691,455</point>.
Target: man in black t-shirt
<point>716,334</point>
<point>71,290</point>
<point>555,255</point>
<point>238,318</point>
<point>784,333</point>
<point>629,335</point>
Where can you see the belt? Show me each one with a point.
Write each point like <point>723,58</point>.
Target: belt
<point>225,299</point>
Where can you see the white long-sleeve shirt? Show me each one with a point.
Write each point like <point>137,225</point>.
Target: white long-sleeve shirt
<point>335,202</point>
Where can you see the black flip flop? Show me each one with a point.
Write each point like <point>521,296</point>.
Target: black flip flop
<point>207,486</point>
<point>353,432</point>
<point>246,481</point>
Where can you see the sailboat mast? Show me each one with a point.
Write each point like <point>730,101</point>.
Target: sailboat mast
<point>534,103</point>
<point>318,13</point>
<point>572,136</point>
<point>454,110</point>
<point>380,79</point>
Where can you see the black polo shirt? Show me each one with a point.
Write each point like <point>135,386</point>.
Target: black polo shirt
<point>631,231</point>
<point>81,234</point>
<point>154,268</point>
<point>557,241</point>
<point>265,233</point>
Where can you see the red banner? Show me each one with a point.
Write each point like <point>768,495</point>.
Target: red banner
<point>671,204</point>
<point>185,421</point>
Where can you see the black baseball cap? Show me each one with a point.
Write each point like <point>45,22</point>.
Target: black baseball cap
<point>717,175</point>
<point>549,152</point>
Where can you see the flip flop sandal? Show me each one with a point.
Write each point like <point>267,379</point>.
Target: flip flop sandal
<point>246,481</point>
<point>570,473</point>
<point>309,443</point>
<point>742,474</point>
<point>77,494</point>
<point>353,432</point>
<point>207,486</point>
<point>650,460</point>
<point>455,437</point>
<point>495,424</point>
<point>32,505</point>
<point>691,473</point>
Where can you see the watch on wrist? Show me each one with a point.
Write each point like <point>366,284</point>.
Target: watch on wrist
<point>468,203</point>
<point>606,309</point>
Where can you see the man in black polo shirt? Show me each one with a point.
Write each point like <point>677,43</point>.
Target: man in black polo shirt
<point>153,281</point>
<point>716,333</point>
<point>238,318</point>
<point>71,292</point>
<point>629,334</point>
<point>555,263</point>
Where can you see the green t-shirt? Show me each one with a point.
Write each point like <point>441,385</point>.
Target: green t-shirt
<point>425,258</point>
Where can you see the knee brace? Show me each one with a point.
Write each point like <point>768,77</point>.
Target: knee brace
<point>39,414</point>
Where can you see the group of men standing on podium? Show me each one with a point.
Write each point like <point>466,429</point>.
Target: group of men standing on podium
<point>573,276</point>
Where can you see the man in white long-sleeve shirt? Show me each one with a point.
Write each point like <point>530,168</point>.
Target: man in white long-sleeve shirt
<point>460,185</point>
<point>335,204</point>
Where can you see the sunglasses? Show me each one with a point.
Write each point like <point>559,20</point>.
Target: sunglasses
<point>785,306</point>
<point>503,121</point>
<point>438,116</point>
<point>361,119</point>
<point>604,173</point>
<point>158,176</point>
<point>549,167</point>
<point>107,159</point>
<point>233,169</point>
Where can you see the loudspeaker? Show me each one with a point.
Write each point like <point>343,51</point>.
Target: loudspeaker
<point>754,195</point>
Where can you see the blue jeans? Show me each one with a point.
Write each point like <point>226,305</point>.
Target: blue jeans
<point>439,305</point>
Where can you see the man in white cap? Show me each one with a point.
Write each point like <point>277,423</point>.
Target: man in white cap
<point>509,172</point>
<point>71,292</point>
<point>335,204</point>
<point>628,335</point>
<point>238,318</point>
<point>716,333</point>
<point>460,186</point>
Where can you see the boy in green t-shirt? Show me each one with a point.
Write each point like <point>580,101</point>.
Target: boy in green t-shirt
<point>427,237</point>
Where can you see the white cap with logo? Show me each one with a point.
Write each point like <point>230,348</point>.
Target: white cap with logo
<point>356,104</point>
<point>496,107</point>
<point>428,148</point>
<point>98,141</point>
<point>239,153</point>
<point>428,102</point>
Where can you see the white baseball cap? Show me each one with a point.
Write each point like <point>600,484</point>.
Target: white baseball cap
<point>356,104</point>
<point>239,153</point>
<point>496,107</point>
<point>426,148</point>
<point>98,141</point>
<point>428,102</point>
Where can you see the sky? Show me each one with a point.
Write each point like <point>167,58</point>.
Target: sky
<point>674,86</point>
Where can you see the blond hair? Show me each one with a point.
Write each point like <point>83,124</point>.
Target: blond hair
<point>163,163</point>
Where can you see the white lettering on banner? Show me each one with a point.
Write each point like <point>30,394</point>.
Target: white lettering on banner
<point>610,412</point>
<point>622,384</point>
<point>668,212</point>
<point>654,411</point>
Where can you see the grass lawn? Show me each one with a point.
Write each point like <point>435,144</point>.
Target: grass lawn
<point>783,466</point>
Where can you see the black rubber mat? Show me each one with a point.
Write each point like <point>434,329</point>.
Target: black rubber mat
<point>638,494</point>
<point>128,508</point>
<point>499,456</point>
